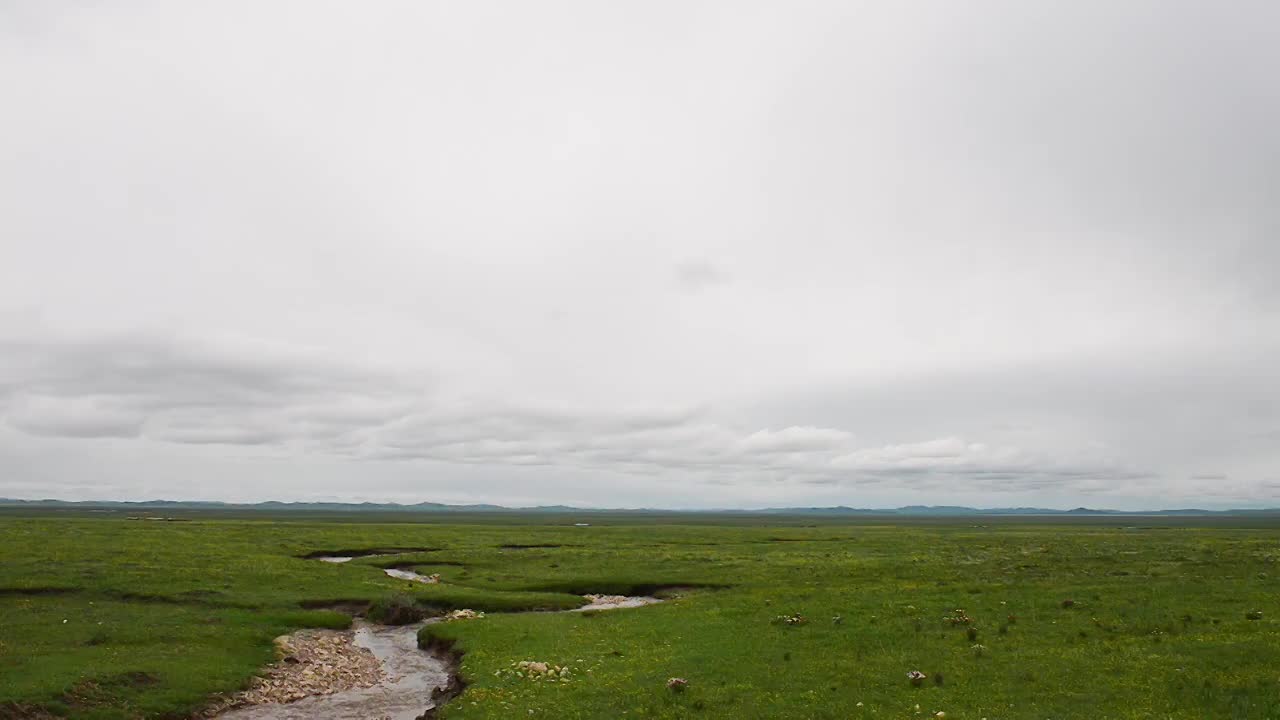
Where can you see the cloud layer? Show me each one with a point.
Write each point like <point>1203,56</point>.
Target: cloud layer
<point>697,253</point>
<point>169,389</point>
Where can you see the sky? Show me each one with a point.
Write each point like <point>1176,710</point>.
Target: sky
<point>661,254</point>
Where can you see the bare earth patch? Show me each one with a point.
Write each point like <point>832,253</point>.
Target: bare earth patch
<point>312,662</point>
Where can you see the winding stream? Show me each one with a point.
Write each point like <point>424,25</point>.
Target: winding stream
<point>410,675</point>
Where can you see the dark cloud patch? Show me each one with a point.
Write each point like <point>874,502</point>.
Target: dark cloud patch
<point>698,275</point>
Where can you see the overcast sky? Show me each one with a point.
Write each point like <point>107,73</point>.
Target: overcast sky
<point>675,254</point>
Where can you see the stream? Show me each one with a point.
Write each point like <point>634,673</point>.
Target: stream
<point>410,675</point>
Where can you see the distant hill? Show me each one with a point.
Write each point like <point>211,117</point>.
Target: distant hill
<point>839,510</point>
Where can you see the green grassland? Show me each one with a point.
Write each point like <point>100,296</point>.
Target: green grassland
<point>112,618</point>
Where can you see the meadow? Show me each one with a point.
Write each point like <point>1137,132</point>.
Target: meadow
<point>104,617</point>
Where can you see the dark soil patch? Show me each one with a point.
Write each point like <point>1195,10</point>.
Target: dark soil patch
<point>194,597</point>
<point>354,608</point>
<point>669,591</point>
<point>150,598</point>
<point>105,691</point>
<point>604,587</point>
<point>445,648</point>
<point>406,564</point>
<point>24,711</point>
<point>366,552</point>
<point>39,590</point>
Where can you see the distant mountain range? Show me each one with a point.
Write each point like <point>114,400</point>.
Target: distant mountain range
<point>840,510</point>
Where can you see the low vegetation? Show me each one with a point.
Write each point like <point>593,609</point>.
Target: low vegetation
<point>110,618</point>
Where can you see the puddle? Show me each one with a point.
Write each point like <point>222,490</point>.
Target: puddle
<point>334,558</point>
<point>411,675</point>
<point>401,574</point>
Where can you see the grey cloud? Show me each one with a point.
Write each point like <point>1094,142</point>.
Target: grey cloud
<point>164,369</point>
<point>795,439</point>
<point>797,454</point>
<point>214,435</point>
<point>80,417</point>
<point>178,390</point>
<point>1166,416</point>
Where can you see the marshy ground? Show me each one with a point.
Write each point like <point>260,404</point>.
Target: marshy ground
<point>106,618</point>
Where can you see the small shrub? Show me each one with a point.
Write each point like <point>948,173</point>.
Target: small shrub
<point>398,609</point>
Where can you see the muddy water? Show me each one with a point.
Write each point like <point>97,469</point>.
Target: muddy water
<point>403,694</point>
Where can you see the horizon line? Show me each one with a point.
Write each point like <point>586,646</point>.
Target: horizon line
<point>1026,509</point>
